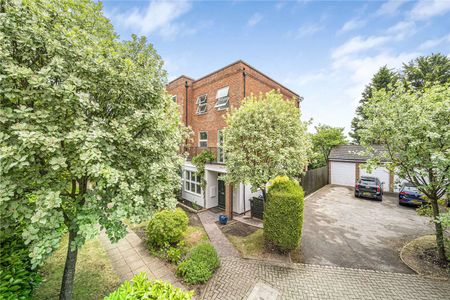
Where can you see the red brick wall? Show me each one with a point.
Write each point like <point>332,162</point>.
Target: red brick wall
<point>230,76</point>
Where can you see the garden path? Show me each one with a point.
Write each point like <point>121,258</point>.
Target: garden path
<point>220,242</point>
<point>130,256</point>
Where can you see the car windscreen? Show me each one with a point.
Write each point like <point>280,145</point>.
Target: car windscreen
<point>409,188</point>
<point>367,181</point>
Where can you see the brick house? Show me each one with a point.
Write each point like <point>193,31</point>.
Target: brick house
<point>202,104</point>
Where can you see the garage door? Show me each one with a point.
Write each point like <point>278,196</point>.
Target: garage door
<point>342,173</point>
<point>381,173</point>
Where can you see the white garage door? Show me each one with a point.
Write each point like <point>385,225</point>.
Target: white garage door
<point>342,173</point>
<point>381,173</point>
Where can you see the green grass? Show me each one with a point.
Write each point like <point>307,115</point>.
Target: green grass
<point>94,276</point>
<point>251,245</point>
<point>194,235</point>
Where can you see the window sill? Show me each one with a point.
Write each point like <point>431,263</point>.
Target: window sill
<point>193,193</point>
<point>221,108</point>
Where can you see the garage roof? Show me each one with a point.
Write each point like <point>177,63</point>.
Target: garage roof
<point>352,153</point>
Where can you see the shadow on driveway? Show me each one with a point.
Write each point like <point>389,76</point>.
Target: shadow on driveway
<point>341,230</point>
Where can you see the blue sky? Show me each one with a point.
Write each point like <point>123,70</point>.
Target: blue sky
<point>326,51</point>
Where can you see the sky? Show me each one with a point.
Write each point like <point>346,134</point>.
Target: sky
<point>326,51</point>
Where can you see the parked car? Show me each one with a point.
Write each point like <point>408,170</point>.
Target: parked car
<point>370,187</point>
<point>409,194</point>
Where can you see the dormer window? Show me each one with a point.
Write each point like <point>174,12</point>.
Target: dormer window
<point>201,104</point>
<point>222,98</point>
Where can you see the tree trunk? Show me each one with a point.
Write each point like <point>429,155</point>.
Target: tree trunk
<point>69,269</point>
<point>439,232</point>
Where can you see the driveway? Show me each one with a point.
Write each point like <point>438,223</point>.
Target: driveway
<point>341,230</point>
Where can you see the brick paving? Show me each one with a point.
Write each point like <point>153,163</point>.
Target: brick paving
<point>236,278</point>
<point>218,239</point>
<point>130,256</point>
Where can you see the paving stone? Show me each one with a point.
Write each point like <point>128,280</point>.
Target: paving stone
<point>220,242</point>
<point>237,277</point>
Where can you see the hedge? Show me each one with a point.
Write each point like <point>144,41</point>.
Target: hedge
<point>199,265</point>
<point>167,228</point>
<point>141,288</point>
<point>283,214</point>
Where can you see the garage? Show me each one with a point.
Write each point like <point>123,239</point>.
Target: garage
<point>342,173</point>
<point>346,165</point>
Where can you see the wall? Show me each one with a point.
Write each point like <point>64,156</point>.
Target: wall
<point>212,198</point>
<point>231,76</point>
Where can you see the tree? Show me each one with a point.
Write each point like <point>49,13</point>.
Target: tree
<point>265,138</point>
<point>325,138</point>
<point>424,70</point>
<point>88,134</point>
<point>381,80</point>
<point>415,129</point>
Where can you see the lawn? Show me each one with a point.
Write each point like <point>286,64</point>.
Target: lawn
<point>94,277</point>
<point>249,241</point>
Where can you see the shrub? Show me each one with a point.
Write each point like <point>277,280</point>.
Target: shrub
<point>199,265</point>
<point>17,279</point>
<point>283,214</point>
<point>141,288</point>
<point>175,254</point>
<point>167,227</point>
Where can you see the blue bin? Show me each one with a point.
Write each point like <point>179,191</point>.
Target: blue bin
<point>223,219</point>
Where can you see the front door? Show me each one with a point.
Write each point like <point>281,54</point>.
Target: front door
<point>221,193</point>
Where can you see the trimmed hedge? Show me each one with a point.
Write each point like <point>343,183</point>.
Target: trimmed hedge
<point>199,265</point>
<point>283,214</point>
<point>141,288</point>
<point>167,228</point>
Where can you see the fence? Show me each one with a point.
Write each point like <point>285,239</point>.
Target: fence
<point>314,179</point>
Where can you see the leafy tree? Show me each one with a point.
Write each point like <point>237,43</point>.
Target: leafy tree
<point>424,70</point>
<point>381,80</point>
<point>265,138</point>
<point>418,150</point>
<point>88,134</point>
<point>325,138</point>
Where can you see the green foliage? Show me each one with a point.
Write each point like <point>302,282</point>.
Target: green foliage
<point>88,133</point>
<point>418,74</point>
<point>141,288</point>
<point>283,214</point>
<point>17,279</point>
<point>175,254</point>
<point>383,79</point>
<point>418,150</point>
<point>325,138</point>
<point>167,227</point>
<point>199,265</point>
<point>199,162</point>
<point>265,138</point>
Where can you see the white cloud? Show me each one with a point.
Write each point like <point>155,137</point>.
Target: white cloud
<point>402,29</point>
<point>305,79</point>
<point>358,44</point>
<point>158,16</point>
<point>390,7</point>
<point>435,42</point>
<point>254,19</point>
<point>427,9</point>
<point>352,25</point>
<point>309,29</point>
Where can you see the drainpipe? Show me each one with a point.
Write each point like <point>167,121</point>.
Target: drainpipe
<point>186,85</point>
<point>244,75</point>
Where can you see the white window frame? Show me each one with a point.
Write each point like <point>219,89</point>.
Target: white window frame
<point>220,151</point>
<point>222,98</point>
<point>201,104</point>
<point>192,182</point>
<point>174,98</point>
<point>200,140</point>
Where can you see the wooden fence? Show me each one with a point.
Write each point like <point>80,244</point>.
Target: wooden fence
<point>314,179</point>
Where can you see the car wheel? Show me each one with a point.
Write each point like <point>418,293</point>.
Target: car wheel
<point>380,198</point>
<point>356,195</point>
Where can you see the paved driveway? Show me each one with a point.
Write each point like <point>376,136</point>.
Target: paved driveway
<point>341,230</point>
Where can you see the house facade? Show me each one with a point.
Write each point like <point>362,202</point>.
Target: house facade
<point>203,104</point>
